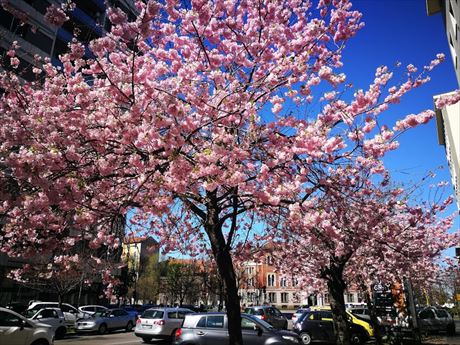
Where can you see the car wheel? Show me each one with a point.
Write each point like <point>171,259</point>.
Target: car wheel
<point>129,326</point>
<point>356,339</point>
<point>146,339</point>
<point>40,342</point>
<point>60,333</point>
<point>451,329</point>
<point>102,329</point>
<point>306,338</point>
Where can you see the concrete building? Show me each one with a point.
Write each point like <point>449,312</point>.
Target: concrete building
<point>448,118</point>
<point>37,37</point>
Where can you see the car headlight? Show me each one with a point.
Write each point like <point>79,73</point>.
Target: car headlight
<point>290,338</point>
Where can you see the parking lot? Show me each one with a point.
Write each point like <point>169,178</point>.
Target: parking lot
<point>115,338</point>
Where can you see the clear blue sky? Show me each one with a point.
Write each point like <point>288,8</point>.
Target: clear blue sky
<point>401,30</point>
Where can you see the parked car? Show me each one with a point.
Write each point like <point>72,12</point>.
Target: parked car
<point>53,317</point>
<point>160,323</point>
<point>436,320</point>
<point>297,314</point>
<point>132,311</point>
<point>71,314</point>
<point>89,310</point>
<point>317,325</point>
<point>269,314</point>
<point>104,321</point>
<point>361,312</point>
<point>16,329</point>
<point>18,307</point>
<point>212,328</point>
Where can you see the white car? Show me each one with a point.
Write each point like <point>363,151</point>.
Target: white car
<point>53,317</point>
<point>15,329</point>
<point>71,314</point>
<point>89,310</point>
<point>160,323</point>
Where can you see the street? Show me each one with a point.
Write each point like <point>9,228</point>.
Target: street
<point>115,338</point>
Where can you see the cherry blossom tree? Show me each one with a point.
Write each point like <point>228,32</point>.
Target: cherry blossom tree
<point>358,232</point>
<point>182,121</point>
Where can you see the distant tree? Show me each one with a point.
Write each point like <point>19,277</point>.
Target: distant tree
<point>182,282</point>
<point>149,282</point>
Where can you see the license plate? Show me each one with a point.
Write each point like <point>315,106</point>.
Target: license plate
<point>147,326</point>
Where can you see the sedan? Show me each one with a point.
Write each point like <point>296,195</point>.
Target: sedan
<point>102,322</point>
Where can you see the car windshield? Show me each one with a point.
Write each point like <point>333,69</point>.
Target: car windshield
<point>152,314</point>
<point>29,313</point>
<point>253,311</point>
<point>261,322</point>
<point>102,313</point>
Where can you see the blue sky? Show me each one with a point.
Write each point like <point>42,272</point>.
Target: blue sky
<point>401,30</point>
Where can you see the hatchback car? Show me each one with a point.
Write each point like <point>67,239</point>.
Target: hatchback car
<point>15,329</point>
<point>89,310</point>
<point>71,314</point>
<point>212,328</point>
<point>317,325</point>
<point>269,314</point>
<point>436,320</point>
<point>102,322</point>
<point>160,323</point>
<point>53,317</point>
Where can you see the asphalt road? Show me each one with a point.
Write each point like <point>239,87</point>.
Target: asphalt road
<point>115,338</point>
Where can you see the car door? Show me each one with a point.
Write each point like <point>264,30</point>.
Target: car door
<point>216,331</point>
<point>13,330</point>
<point>251,333</point>
<point>120,319</point>
<point>48,317</point>
<point>279,317</point>
<point>70,314</point>
<point>327,326</point>
<point>311,324</point>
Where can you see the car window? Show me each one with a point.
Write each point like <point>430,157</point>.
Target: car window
<point>181,314</point>
<point>252,311</point>
<point>172,315</point>
<point>99,309</point>
<point>48,313</point>
<point>247,324</point>
<point>326,315</point>
<point>426,314</point>
<point>152,314</point>
<point>9,320</point>
<point>276,312</point>
<point>119,312</point>
<point>215,321</point>
<point>202,322</point>
<point>442,313</point>
<point>67,309</point>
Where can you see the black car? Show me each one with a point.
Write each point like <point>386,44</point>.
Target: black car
<point>212,329</point>
<point>317,325</point>
<point>269,314</point>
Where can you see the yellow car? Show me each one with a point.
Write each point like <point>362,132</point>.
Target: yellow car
<point>316,324</point>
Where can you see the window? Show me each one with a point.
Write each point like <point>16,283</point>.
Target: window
<point>284,297</point>
<point>271,279</point>
<point>247,324</point>
<point>272,297</point>
<point>202,322</point>
<point>442,313</point>
<point>39,5</point>
<point>326,298</point>
<point>295,281</point>
<point>427,314</point>
<point>152,314</point>
<point>251,282</point>
<point>269,260</point>
<point>9,320</point>
<point>215,322</point>
<point>283,282</point>
<point>326,315</point>
<point>350,298</point>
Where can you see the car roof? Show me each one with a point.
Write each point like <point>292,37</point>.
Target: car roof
<point>12,312</point>
<point>167,309</point>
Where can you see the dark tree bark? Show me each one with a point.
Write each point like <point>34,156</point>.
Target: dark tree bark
<point>337,287</point>
<point>221,252</point>
<point>374,320</point>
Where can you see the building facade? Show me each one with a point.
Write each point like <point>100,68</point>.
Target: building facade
<point>36,36</point>
<point>261,284</point>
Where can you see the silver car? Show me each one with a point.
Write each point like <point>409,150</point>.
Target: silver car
<point>436,320</point>
<point>160,323</point>
<point>53,317</point>
<point>104,321</point>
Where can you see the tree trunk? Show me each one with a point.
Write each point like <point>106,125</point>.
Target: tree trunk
<point>337,287</point>
<point>224,262</point>
<point>374,320</point>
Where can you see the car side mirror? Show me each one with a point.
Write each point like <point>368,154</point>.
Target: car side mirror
<point>22,324</point>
